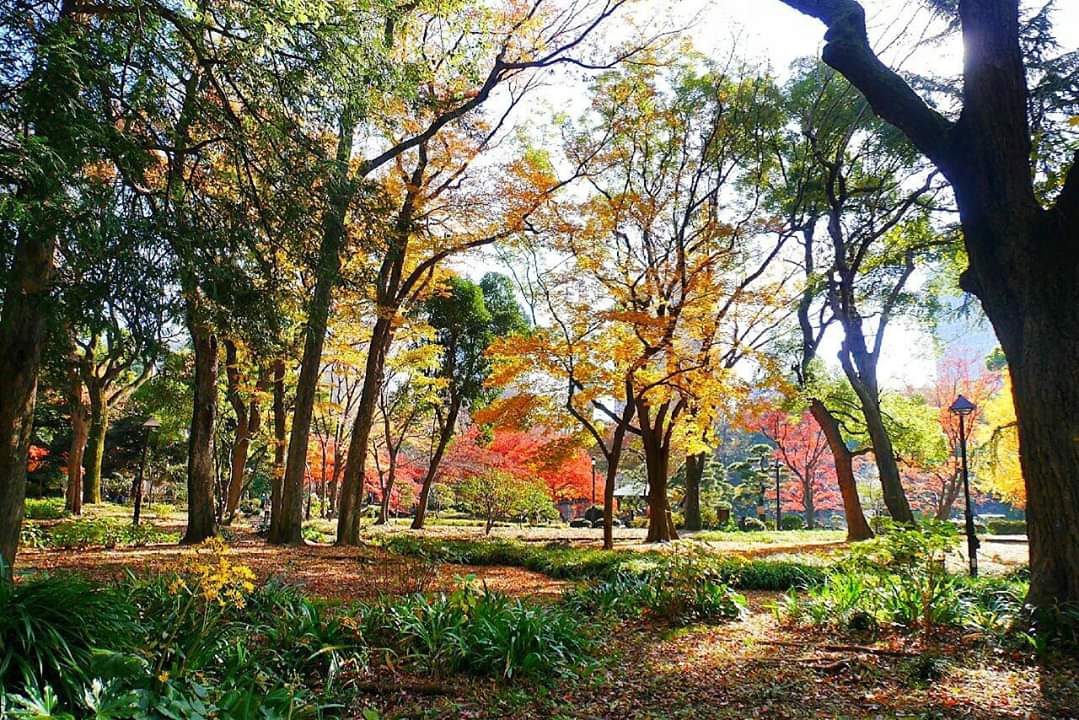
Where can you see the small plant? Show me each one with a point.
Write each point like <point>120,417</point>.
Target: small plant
<point>44,509</point>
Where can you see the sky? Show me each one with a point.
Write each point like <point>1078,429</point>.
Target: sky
<point>769,32</point>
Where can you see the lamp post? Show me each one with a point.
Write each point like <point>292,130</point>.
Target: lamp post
<point>779,515</point>
<point>962,408</point>
<point>762,476</point>
<point>593,482</point>
<point>148,427</point>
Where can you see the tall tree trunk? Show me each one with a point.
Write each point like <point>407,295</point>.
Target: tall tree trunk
<point>444,438</point>
<point>80,417</point>
<point>95,446</point>
<point>22,334</point>
<point>288,531</point>
<point>857,527</point>
<point>201,519</point>
<point>614,456</point>
<point>694,473</point>
<point>280,418</point>
<point>351,496</point>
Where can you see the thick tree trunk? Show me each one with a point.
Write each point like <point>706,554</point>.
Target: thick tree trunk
<point>22,334</point>
<point>280,419</point>
<point>201,520</point>
<point>351,496</point>
<point>444,438</point>
<point>810,508</point>
<point>660,521</point>
<point>857,527</point>
<point>694,473</point>
<point>95,446</point>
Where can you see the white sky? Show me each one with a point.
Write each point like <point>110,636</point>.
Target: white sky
<point>772,33</point>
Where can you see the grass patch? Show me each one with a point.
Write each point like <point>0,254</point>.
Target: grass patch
<point>771,537</point>
<point>563,562</point>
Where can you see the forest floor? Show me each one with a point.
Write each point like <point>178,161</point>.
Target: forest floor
<point>752,667</point>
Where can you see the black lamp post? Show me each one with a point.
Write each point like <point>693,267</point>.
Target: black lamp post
<point>765,466</point>
<point>148,427</point>
<point>962,408</point>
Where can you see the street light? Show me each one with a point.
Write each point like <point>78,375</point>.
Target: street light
<point>151,425</point>
<point>962,408</point>
<point>764,472</point>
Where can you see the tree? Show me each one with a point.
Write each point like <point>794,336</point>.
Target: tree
<point>499,495</point>
<point>676,258</point>
<point>464,328</point>
<point>801,445</point>
<point>1020,241</point>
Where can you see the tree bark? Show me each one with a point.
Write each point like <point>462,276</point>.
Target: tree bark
<point>444,438</point>
<point>248,421</point>
<point>351,494</point>
<point>80,417</point>
<point>280,418</point>
<point>694,473</point>
<point>655,436</point>
<point>95,446</point>
<point>22,335</point>
<point>289,528</point>
<point>201,519</point>
<point>857,527</point>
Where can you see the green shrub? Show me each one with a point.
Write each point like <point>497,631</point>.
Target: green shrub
<point>752,524</point>
<point>44,508</point>
<point>793,522</point>
<point>1006,527</point>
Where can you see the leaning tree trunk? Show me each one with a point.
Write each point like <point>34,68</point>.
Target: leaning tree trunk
<point>694,473</point>
<point>613,458</point>
<point>857,527</point>
<point>351,494</point>
<point>95,446</point>
<point>22,334</point>
<point>201,519</point>
<point>444,438</point>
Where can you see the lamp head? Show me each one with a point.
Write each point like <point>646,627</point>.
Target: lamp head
<point>962,406</point>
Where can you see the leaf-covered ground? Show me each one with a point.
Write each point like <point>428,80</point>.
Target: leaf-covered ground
<point>754,667</point>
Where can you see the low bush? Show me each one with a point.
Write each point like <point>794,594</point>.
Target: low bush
<point>793,522</point>
<point>481,632</point>
<point>1006,527</point>
<point>752,524</point>
<point>105,532</point>
<point>684,588</point>
<point>44,508</point>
